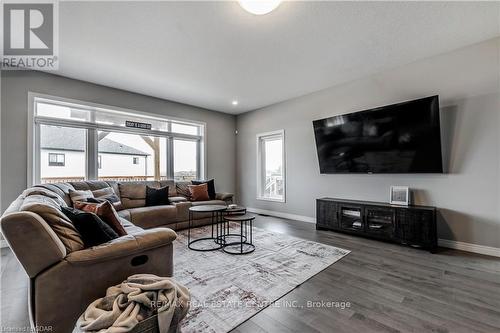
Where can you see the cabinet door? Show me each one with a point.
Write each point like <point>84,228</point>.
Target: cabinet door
<point>380,221</point>
<point>416,227</point>
<point>326,214</point>
<point>351,218</point>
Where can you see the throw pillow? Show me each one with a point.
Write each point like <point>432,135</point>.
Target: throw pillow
<point>182,188</point>
<point>211,186</point>
<point>157,196</point>
<point>80,195</point>
<point>91,228</point>
<point>107,193</point>
<point>106,212</point>
<point>199,192</point>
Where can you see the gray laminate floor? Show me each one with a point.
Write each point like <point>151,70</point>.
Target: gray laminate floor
<point>390,289</point>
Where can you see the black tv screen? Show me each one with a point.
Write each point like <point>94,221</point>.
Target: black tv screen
<point>398,138</point>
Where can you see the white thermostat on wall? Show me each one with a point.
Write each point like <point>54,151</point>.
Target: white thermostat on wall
<point>400,195</point>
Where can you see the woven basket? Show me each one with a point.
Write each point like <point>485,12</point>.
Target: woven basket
<point>149,325</point>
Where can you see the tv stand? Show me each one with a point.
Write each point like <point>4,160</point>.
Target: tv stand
<point>409,225</point>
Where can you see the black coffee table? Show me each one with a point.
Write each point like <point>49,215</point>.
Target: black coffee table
<point>217,237</point>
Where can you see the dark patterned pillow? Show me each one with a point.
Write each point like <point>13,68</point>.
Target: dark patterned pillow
<point>211,186</point>
<point>157,196</point>
<point>92,229</point>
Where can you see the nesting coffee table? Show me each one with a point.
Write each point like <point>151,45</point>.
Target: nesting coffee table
<point>221,236</point>
<point>216,240</point>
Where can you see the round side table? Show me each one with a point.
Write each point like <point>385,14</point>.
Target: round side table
<point>218,231</point>
<point>245,243</point>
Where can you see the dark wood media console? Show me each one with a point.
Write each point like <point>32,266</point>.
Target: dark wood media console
<point>410,225</point>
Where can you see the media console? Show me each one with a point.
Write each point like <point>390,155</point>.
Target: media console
<point>410,225</point>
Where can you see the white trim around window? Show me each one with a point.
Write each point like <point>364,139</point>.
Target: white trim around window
<point>34,121</point>
<point>261,167</point>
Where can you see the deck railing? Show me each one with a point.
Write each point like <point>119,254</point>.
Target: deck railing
<point>51,180</point>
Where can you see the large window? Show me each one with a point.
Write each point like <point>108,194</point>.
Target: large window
<point>271,166</point>
<point>73,141</point>
<point>62,153</point>
<point>185,159</point>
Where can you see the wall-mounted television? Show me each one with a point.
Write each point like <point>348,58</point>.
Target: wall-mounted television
<point>398,138</point>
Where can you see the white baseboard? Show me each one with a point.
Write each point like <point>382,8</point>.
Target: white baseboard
<point>481,249</point>
<point>451,244</point>
<point>301,218</point>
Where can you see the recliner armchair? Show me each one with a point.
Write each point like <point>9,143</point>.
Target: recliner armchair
<point>63,284</point>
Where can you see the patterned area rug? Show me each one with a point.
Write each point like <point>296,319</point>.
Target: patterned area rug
<point>228,289</point>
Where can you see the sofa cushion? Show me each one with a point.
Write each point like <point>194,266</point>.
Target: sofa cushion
<point>129,227</point>
<point>92,229</point>
<point>177,199</point>
<point>133,195</point>
<point>106,193</point>
<point>61,189</point>
<point>49,210</point>
<point>208,202</point>
<point>80,195</point>
<point>172,191</point>
<point>150,217</point>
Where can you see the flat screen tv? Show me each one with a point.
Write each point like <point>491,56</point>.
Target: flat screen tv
<point>398,138</point>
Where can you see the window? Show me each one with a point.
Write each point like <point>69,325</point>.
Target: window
<point>56,159</point>
<point>89,141</point>
<point>63,154</point>
<point>271,166</point>
<point>185,160</point>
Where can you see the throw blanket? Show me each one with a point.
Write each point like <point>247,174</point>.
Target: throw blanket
<point>136,299</point>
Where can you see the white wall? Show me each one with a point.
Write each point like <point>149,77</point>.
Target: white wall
<point>468,199</point>
<point>15,86</point>
<point>121,165</point>
<point>74,164</point>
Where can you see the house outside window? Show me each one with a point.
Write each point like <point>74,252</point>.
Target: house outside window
<point>56,159</point>
<point>271,166</point>
<point>89,141</point>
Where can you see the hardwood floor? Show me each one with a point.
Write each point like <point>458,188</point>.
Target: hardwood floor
<point>390,288</point>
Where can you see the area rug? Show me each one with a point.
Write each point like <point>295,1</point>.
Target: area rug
<point>227,289</point>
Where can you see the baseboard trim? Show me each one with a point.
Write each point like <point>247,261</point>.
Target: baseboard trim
<point>301,218</point>
<point>451,244</point>
<point>469,247</point>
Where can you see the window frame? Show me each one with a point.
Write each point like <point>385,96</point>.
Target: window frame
<point>56,163</point>
<point>91,173</point>
<point>260,138</point>
<point>135,160</point>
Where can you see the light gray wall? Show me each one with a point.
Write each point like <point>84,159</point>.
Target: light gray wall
<point>17,84</point>
<point>467,81</point>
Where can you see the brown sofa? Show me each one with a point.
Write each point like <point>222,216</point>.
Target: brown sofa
<point>64,277</point>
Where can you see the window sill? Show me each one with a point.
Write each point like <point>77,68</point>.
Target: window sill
<point>271,199</point>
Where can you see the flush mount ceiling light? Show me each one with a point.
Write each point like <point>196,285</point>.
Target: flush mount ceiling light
<point>234,102</point>
<point>259,7</point>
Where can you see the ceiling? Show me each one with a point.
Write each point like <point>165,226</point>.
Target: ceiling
<point>211,53</point>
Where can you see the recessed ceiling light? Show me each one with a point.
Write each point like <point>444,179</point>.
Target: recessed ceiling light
<point>259,7</point>
<point>234,102</point>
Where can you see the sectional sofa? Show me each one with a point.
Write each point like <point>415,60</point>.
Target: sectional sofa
<point>64,276</point>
